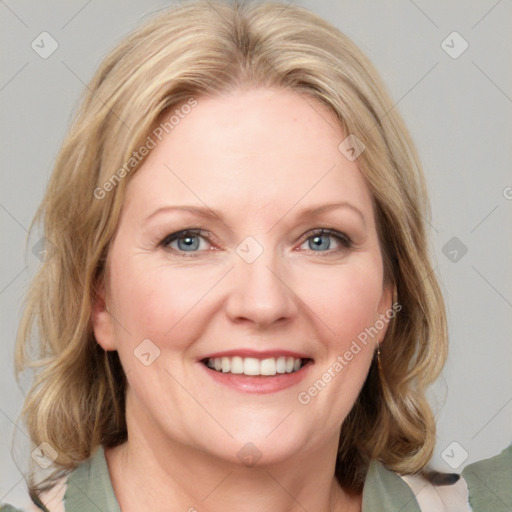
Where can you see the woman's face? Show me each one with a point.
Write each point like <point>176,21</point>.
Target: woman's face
<point>250,327</point>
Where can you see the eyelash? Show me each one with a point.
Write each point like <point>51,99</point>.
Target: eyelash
<point>343,239</point>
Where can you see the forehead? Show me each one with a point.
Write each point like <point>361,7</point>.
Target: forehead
<point>251,151</point>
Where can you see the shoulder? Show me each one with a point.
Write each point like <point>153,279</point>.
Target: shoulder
<point>490,483</point>
<point>52,500</point>
<point>385,491</point>
<point>440,492</point>
<point>86,489</point>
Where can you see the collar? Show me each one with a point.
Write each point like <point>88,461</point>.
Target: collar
<point>89,489</point>
<point>385,491</point>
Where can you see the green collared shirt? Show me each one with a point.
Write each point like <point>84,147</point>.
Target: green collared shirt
<point>89,488</point>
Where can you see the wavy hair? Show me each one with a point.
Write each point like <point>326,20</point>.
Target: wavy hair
<point>77,398</point>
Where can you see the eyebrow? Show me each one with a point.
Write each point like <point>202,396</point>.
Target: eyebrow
<point>208,213</point>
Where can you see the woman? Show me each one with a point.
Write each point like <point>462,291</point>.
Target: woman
<point>237,309</point>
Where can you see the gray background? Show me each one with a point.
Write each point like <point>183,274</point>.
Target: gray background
<point>458,110</point>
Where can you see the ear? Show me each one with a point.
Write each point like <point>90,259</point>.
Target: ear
<point>102,322</point>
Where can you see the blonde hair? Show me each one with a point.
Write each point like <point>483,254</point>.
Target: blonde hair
<point>76,402</point>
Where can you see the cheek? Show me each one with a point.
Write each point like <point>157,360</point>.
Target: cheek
<point>345,299</point>
<point>152,301</point>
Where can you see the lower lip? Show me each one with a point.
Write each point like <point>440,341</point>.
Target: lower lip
<point>260,383</point>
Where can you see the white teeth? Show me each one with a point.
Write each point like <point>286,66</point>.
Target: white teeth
<point>226,364</point>
<point>253,366</point>
<point>237,365</point>
<point>268,366</point>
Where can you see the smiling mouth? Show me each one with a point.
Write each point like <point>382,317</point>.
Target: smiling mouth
<point>252,366</point>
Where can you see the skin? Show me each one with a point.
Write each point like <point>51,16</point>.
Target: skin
<point>257,157</point>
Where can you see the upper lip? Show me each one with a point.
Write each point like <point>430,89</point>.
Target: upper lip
<point>264,354</point>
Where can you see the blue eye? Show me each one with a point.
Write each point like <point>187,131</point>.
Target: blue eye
<point>321,240</point>
<point>187,241</point>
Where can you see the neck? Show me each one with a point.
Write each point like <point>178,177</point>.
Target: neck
<point>175,475</point>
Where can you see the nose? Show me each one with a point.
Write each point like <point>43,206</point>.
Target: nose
<point>261,294</point>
